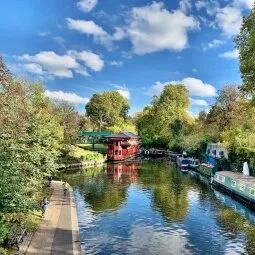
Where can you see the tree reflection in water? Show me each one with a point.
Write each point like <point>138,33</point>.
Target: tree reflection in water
<point>108,190</point>
<point>169,190</point>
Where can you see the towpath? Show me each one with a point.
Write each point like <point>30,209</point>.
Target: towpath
<point>58,232</point>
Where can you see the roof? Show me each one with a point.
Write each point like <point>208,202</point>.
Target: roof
<point>238,176</point>
<point>87,134</point>
<point>123,134</point>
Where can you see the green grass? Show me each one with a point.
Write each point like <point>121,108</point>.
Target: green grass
<point>33,219</point>
<point>98,147</point>
<point>85,155</point>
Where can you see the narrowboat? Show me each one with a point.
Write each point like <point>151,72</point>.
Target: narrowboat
<point>239,184</point>
<point>207,169</point>
<point>183,164</point>
<point>122,146</point>
<point>194,164</point>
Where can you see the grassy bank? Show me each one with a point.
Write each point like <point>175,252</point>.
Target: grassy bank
<point>79,154</point>
<point>98,147</point>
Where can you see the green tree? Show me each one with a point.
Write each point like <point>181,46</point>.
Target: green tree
<point>104,109</point>
<point>245,43</point>
<point>69,120</point>
<point>160,124</point>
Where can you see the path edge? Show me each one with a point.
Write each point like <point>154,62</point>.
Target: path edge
<point>75,225</point>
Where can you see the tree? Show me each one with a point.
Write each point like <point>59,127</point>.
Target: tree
<point>30,141</point>
<point>104,109</point>
<point>228,102</point>
<point>245,43</point>
<point>161,123</point>
<point>69,120</point>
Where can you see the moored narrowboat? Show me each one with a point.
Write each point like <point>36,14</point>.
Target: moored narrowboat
<point>194,164</point>
<point>183,164</point>
<point>243,186</point>
<point>207,169</point>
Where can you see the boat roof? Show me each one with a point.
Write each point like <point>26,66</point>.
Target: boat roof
<point>123,134</point>
<point>238,176</point>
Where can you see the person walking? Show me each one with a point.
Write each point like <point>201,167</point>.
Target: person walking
<point>49,180</point>
<point>44,204</point>
<point>65,187</point>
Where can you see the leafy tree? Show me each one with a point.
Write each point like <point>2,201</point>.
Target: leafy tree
<point>245,43</point>
<point>160,124</point>
<point>104,109</point>
<point>229,103</point>
<point>69,120</point>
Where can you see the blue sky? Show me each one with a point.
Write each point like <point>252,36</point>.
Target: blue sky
<point>80,47</point>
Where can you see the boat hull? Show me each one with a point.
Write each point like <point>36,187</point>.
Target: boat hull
<point>236,184</point>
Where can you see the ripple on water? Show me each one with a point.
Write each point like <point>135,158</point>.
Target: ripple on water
<point>159,212</point>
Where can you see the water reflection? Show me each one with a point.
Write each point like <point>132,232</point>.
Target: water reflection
<point>151,208</point>
<point>123,173</point>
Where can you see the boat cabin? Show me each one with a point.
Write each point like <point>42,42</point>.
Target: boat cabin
<point>122,145</point>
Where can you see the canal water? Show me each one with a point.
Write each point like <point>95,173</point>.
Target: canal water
<point>153,208</point>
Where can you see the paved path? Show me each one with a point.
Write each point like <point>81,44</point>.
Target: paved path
<point>58,232</point>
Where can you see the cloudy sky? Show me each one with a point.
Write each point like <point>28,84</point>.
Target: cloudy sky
<point>81,47</point>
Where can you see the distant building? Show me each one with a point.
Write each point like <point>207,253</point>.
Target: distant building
<point>216,151</point>
<point>122,145</point>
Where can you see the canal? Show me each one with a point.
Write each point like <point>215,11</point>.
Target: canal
<point>152,208</point>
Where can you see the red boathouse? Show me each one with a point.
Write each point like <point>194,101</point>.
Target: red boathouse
<point>122,145</point>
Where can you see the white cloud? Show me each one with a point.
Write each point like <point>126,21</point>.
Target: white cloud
<point>86,5</point>
<point>230,54</point>
<point>43,33</point>
<point>213,44</point>
<point>194,70</point>
<point>200,4</point>
<point>124,92</point>
<point>185,5</point>
<point>33,68</point>
<point>90,28</point>
<point>119,34</point>
<point>195,86</point>
<point>86,27</point>
<point>69,97</point>
<point>199,102</point>
<point>211,6</point>
<point>116,63</point>
<point>90,59</point>
<point>63,66</point>
<point>58,65</point>
<point>229,19</point>
<point>153,28</point>
<point>244,3</point>
<point>60,41</point>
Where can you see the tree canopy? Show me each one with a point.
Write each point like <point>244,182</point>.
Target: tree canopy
<point>106,109</point>
<point>161,122</point>
<point>245,43</point>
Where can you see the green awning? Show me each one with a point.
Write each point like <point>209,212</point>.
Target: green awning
<point>94,134</point>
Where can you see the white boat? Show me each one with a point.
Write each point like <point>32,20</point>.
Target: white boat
<point>183,164</point>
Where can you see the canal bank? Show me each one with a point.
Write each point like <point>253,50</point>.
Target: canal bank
<point>58,232</point>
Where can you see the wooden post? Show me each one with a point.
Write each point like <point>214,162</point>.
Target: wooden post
<point>93,143</point>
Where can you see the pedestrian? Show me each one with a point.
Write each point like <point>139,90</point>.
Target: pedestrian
<point>44,204</point>
<point>49,180</point>
<point>65,187</point>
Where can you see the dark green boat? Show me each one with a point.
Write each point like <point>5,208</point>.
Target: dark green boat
<point>237,183</point>
<point>207,169</point>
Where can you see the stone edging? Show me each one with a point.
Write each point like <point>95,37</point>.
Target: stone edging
<point>75,225</point>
